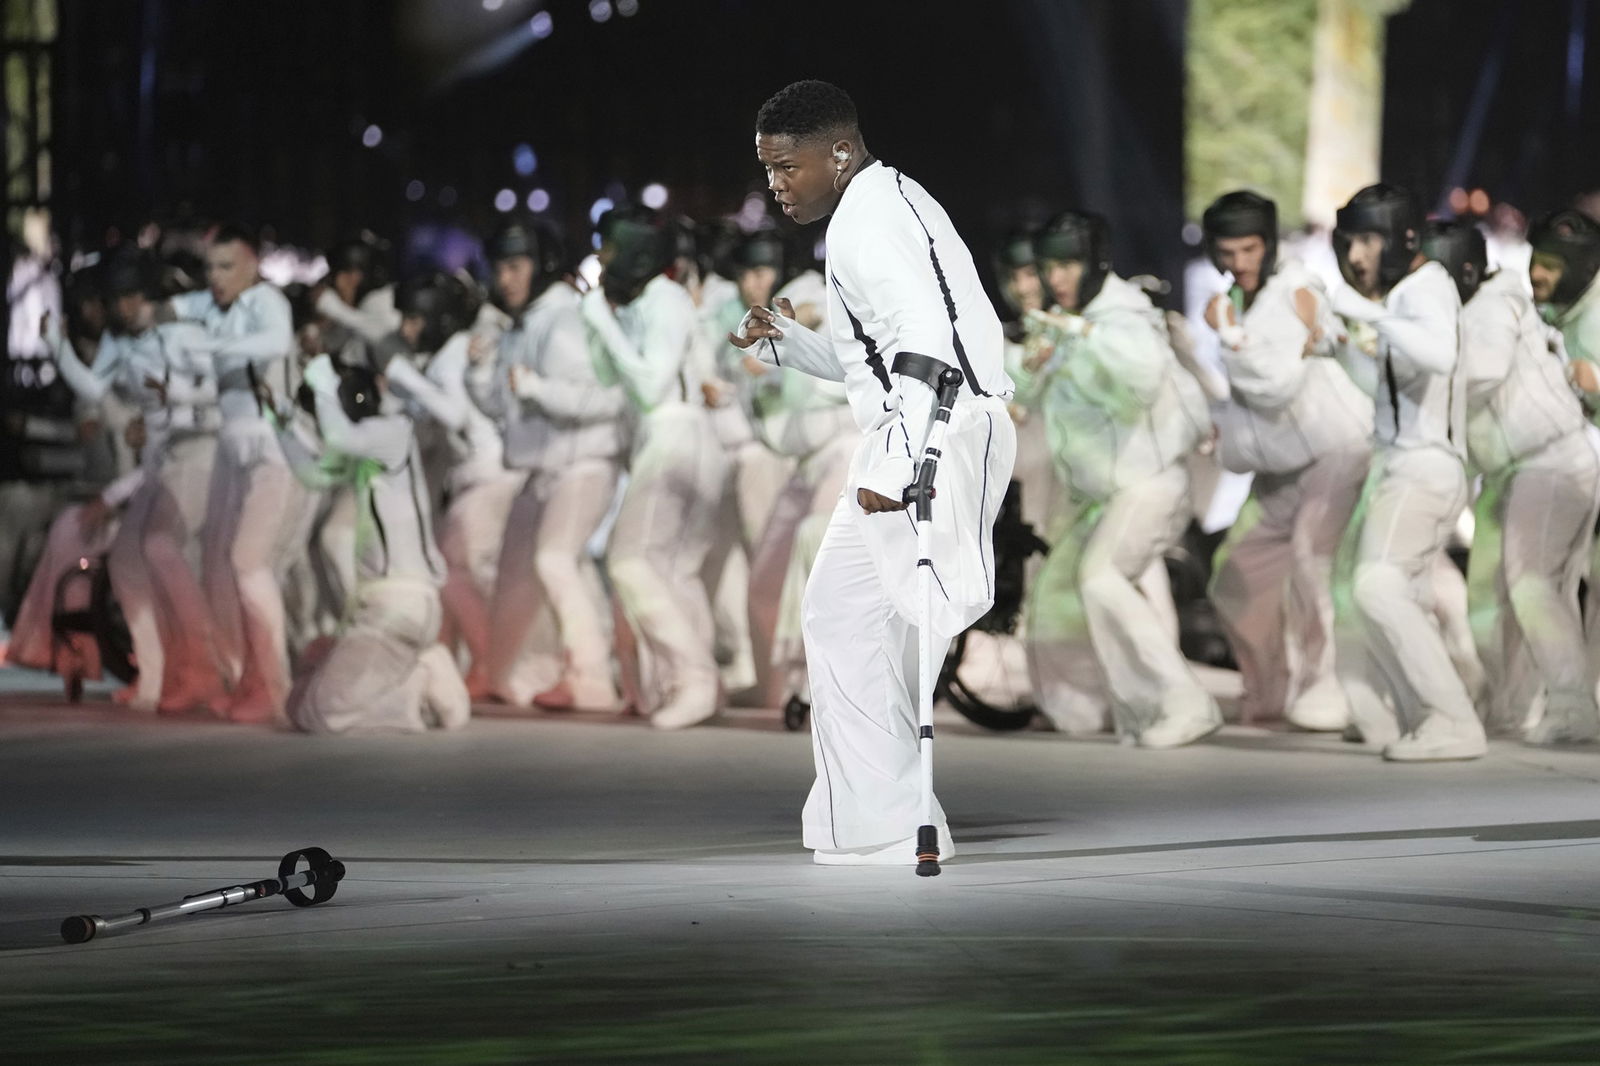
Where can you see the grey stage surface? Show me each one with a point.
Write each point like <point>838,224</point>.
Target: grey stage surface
<point>583,891</point>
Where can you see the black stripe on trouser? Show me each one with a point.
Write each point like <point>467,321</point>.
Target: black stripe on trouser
<point>944,291</point>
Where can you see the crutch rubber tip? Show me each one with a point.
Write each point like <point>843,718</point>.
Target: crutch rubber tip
<point>78,929</point>
<point>928,868</point>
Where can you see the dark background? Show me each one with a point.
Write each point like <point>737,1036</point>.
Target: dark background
<point>1005,109</point>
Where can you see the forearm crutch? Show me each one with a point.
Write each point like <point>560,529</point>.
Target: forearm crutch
<point>322,874</point>
<point>945,381</point>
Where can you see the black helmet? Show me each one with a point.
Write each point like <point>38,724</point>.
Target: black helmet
<point>1574,238</point>
<point>358,392</point>
<point>441,301</point>
<point>758,250</point>
<point>366,254</point>
<point>1242,214</point>
<point>1388,211</point>
<point>133,272</point>
<point>1459,247</point>
<point>641,251</point>
<point>1074,236</point>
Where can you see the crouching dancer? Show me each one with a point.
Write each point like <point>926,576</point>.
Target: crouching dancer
<point>900,281</point>
<point>386,669</point>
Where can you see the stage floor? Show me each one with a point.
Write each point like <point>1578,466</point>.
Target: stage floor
<point>570,890</point>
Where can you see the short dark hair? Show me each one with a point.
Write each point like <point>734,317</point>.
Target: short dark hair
<point>808,110</point>
<point>229,232</point>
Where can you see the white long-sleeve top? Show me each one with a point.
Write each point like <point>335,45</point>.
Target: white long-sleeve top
<point>561,411</point>
<point>173,353</point>
<point>1420,400</point>
<point>375,318</point>
<point>1286,408</point>
<point>1580,325</point>
<point>885,297</point>
<point>439,392</point>
<point>254,333</point>
<point>1117,406</point>
<point>653,347</point>
<point>1518,400</point>
<point>379,455</point>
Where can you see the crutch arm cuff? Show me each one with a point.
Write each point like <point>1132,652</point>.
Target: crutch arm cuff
<point>923,368</point>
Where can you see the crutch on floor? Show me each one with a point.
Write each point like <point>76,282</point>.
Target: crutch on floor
<point>945,381</point>
<point>322,875</point>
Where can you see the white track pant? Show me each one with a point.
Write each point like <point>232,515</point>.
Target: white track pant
<point>1273,590</point>
<point>658,549</point>
<point>385,672</point>
<point>754,477</point>
<point>862,659</point>
<point>252,513</point>
<point>155,582</point>
<point>471,538</point>
<point>782,561</point>
<point>1392,659</point>
<point>1094,638</point>
<point>544,569</point>
<point>1530,548</point>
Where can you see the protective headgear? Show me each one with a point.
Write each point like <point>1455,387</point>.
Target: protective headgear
<point>133,273</point>
<point>758,250</point>
<point>1388,211</point>
<point>1073,236</point>
<point>1242,214</point>
<point>441,301</point>
<point>513,238</point>
<point>1460,248</point>
<point>1014,253</point>
<point>641,251</point>
<point>1574,238</point>
<point>540,241</point>
<point>358,392</point>
<point>364,255</point>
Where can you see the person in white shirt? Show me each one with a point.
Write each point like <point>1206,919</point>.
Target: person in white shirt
<point>356,295</point>
<point>253,504</point>
<point>646,338</point>
<point>900,281</point>
<point>385,671</point>
<point>563,429</point>
<point>1296,420</point>
<point>808,421</point>
<point>1122,417</point>
<point>1406,697</point>
<point>164,370</point>
<point>438,316</point>
<point>755,475</point>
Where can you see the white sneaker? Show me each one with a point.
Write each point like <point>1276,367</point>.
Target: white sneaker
<point>1320,709</point>
<point>685,710</point>
<point>1565,726</point>
<point>899,853</point>
<point>1439,739</point>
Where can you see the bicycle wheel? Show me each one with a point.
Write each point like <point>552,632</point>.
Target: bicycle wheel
<point>985,678</point>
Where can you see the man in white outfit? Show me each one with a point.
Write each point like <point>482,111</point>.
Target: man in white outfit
<point>385,670</point>
<point>900,280</point>
<point>164,371</point>
<point>564,428</point>
<point>1565,274</point>
<point>429,376</point>
<point>1296,420</point>
<point>1122,417</point>
<point>647,338</point>
<point>253,503</point>
<point>1405,694</point>
<point>1528,439</point>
